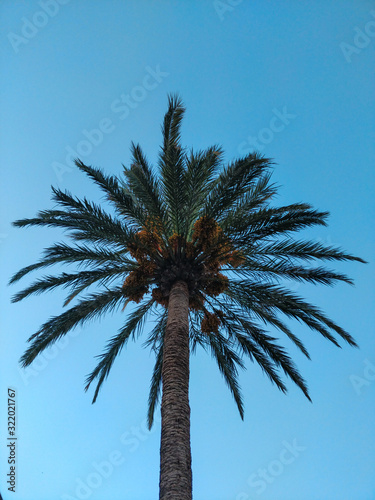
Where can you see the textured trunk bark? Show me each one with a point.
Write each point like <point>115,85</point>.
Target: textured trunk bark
<point>175,454</point>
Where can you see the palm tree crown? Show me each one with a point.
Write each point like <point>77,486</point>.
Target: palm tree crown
<point>194,220</point>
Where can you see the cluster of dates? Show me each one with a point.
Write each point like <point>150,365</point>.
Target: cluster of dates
<point>196,262</point>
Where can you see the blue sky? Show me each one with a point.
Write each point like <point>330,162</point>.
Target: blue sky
<point>293,79</point>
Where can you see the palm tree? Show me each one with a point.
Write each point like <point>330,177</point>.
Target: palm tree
<point>199,244</point>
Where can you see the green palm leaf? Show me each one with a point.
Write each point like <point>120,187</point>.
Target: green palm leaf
<point>58,326</point>
<point>171,163</point>
<point>115,345</point>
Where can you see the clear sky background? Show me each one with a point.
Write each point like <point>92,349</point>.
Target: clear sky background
<point>238,66</point>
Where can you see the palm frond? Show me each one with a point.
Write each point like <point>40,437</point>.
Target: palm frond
<point>197,337</point>
<point>155,341</point>
<point>155,386</point>
<point>276,353</point>
<point>257,197</point>
<point>81,254</point>
<point>51,331</point>
<point>144,185</point>
<point>294,249</point>
<point>172,121</point>
<point>82,280</point>
<point>271,297</point>
<point>125,204</point>
<point>157,333</point>
<point>86,221</point>
<point>233,182</point>
<point>253,268</point>
<point>271,222</point>
<point>200,169</point>
<point>171,163</point>
<point>250,348</point>
<point>115,344</point>
<point>227,360</point>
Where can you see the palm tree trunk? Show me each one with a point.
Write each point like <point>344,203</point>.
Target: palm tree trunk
<point>175,453</point>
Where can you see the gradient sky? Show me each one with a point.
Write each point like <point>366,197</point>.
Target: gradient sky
<point>238,66</point>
